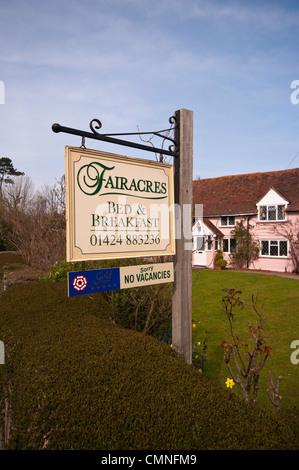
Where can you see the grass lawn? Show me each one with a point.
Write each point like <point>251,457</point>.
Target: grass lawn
<point>281,311</point>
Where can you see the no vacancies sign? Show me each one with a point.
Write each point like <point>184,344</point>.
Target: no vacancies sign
<point>117,207</point>
<point>102,280</point>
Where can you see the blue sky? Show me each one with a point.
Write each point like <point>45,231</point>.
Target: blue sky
<point>133,63</point>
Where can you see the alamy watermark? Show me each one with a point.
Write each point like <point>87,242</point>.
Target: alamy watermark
<point>2,92</point>
<point>295,94</point>
<point>295,354</point>
<point>141,223</point>
<point>2,353</point>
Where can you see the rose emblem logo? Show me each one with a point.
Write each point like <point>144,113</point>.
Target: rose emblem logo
<point>80,282</point>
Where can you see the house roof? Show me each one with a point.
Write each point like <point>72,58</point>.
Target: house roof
<point>239,194</point>
<point>212,227</point>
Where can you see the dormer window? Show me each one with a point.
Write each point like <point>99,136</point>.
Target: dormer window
<point>272,207</point>
<point>271,213</point>
<point>228,220</point>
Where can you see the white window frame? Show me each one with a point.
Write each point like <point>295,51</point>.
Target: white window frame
<point>274,207</point>
<point>272,242</point>
<point>227,217</point>
<point>209,243</point>
<point>229,244</point>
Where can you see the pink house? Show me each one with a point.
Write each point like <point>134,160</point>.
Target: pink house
<point>269,202</point>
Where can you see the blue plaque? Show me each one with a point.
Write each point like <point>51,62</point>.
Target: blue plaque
<point>93,281</point>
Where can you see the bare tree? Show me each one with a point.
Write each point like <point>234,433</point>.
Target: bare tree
<point>35,224</point>
<point>54,196</point>
<point>290,231</point>
<point>20,194</point>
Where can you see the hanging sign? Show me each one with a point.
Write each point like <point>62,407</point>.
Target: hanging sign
<point>102,280</point>
<point>117,207</point>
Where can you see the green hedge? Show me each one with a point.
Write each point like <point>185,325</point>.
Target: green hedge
<point>80,382</point>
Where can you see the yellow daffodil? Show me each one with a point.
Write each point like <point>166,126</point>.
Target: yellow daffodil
<point>230,383</point>
<point>198,344</point>
<point>199,370</point>
<point>194,326</point>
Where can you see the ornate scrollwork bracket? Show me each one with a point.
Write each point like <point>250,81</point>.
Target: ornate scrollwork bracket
<point>95,125</point>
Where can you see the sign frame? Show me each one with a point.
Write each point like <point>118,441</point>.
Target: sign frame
<point>73,156</point>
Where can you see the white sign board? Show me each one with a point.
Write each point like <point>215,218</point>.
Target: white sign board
<point>117,207</point>
<point>138,276</point>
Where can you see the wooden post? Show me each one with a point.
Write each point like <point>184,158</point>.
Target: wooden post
<point>182,286</point>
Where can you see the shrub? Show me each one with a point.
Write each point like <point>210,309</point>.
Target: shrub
<point>147,309</point>
<point>59,271</point>
<point>219,260</point>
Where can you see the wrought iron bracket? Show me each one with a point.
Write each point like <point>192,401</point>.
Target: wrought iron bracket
<point>95,124</point>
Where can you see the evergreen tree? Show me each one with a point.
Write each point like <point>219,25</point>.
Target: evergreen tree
<point>6,171</point>
<point>247,248</point>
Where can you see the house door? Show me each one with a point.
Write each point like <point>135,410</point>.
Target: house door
<point>199,254</point>
<point>200,258</point>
